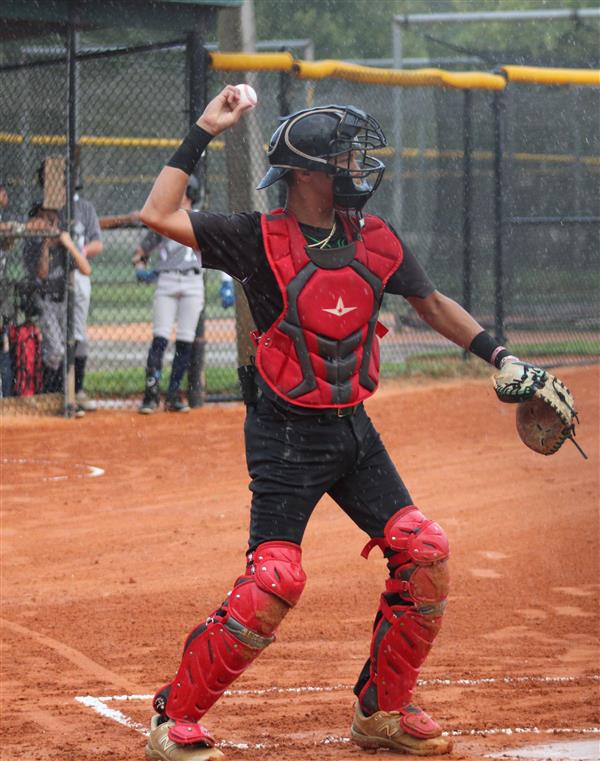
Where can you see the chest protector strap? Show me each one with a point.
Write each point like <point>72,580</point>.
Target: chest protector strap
<point>323,349</point>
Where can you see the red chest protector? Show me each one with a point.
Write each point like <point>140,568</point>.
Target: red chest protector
<point>323,349</point>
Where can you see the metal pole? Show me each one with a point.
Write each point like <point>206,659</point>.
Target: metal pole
<point>284,109</point>
<point>445,18</point>
<point>24,116</point>
<point>467,198</point>
<point>197,63</point>
<point>239,187</point>
<point>498,105</point>
<point>397,132</point>
<point>69,355</point>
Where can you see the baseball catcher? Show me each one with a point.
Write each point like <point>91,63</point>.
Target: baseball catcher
<point>315,273</point>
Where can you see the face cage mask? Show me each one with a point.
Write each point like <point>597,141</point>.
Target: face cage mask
<point>352,192</point>
<point>358,176</point>
<point>357,131</point>
<point>356,179</point>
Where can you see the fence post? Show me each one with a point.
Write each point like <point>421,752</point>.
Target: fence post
<point>239,188</point>
<point>284,109</point>
<point>498,107</point>
<point>197,62</point>
<point>467,199</point>
<point>69,355</point>
<point>398,189</point>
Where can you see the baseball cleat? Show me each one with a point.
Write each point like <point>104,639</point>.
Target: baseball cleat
<point>160,747</point>
<point>148,406</point>
<point>176,403</point>
<point>388,729</point>
<point>84,402</point>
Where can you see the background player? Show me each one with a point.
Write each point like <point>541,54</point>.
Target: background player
<point>48,260</point>
<point>314,274</point>
<point>179,297</point>
<point>5,303</point>
<point>87,237</point>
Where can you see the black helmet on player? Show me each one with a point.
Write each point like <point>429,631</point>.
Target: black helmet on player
<point>314,139</point>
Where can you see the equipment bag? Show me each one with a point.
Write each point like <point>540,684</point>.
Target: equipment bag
<point>26,349</point>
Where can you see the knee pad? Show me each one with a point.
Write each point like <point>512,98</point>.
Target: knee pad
<point>410,612</point>
<point>417,551</point>
<point>222,647</point>
<point>260,599</point>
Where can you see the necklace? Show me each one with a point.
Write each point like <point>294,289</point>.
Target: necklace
<point>325,241</point>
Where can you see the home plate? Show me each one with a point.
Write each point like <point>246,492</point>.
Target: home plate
<point>579,750</point>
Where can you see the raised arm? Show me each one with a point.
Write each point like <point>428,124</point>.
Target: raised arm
<point>162,211</point>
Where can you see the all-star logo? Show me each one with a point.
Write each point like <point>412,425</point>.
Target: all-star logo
<point>339,309</point>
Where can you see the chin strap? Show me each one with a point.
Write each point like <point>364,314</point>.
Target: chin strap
<point>355,218</point>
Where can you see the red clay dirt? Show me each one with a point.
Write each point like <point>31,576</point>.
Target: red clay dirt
<point>104,573</point>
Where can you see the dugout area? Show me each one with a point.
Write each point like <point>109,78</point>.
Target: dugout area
<point>491,178</point>
<point>110,556</point>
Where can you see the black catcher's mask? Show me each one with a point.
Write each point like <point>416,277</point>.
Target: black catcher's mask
<point>313,138</point>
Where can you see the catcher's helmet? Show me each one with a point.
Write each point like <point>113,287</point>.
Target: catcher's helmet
<point>313,138</point>
<point>192,189</point>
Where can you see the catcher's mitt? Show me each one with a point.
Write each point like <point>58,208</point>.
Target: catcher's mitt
<point>546,414</point>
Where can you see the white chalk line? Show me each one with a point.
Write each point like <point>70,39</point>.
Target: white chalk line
<point>99,705</point>
<point>92,470</point>
<point>335,740</point>
<point>420,683</point>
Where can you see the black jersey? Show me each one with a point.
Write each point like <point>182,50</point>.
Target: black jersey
<point>233,243</point>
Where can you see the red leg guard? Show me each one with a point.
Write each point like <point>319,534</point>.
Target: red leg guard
<point>219,650</point>
<point>409,616</point>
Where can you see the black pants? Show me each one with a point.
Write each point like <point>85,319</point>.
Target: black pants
<point>294,460</point>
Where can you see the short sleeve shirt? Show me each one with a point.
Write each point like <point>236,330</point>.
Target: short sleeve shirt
<point>86,226</point>
<point>171,255</point>
<point>233,243</point>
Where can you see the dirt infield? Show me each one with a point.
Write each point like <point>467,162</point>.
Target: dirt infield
<point>121,532</point>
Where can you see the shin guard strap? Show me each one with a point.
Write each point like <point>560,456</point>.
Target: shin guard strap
<point>188,732</point>
<point>247,636</point>
<point>417,723</point>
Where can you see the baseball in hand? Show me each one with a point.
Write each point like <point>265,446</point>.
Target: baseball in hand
<point>247,95</point>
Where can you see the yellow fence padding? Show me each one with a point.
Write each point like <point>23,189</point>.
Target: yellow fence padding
<point>251,61</point>
<point>536,75</point>
<point>10,137</point>
<point>399,77</point>
<point>462,80</point>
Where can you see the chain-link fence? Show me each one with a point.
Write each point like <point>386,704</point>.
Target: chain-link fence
<point>523,260</point>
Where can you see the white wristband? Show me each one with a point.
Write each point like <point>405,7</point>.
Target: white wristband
<point>509,358</point>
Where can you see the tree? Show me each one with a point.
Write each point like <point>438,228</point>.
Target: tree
<point>362,29</point>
